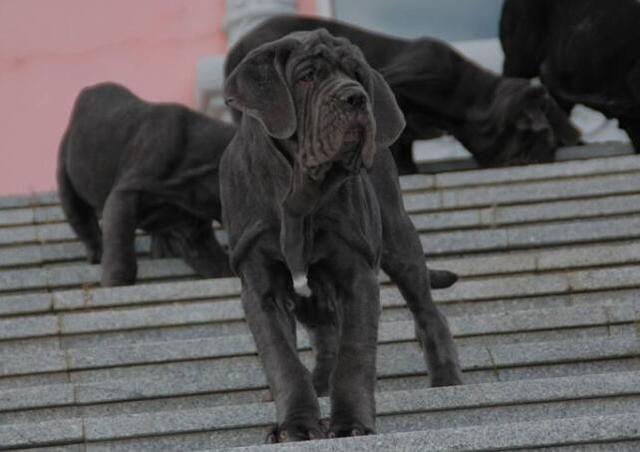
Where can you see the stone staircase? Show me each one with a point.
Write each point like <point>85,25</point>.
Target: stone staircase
<point>546,317</point>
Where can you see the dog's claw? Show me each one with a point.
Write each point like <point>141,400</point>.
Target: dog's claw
<point>295,432</point>
<point>349,431</point>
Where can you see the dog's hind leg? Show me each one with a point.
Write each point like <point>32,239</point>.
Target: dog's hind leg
<point>81,216</point>
<point>404,261</point>
<point>320,317</point>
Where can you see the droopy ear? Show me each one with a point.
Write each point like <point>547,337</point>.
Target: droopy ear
<point>566,133</point>
<point>257,87</point>
<point>389,118</point>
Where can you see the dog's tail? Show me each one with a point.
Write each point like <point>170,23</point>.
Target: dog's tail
<point>442,279</point>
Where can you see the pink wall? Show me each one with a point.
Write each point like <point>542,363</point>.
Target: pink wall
<point>50,49</point>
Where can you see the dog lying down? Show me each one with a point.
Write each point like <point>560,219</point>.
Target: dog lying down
<point>313,208</point>
<point>149,166</point>
<point>500,120</point>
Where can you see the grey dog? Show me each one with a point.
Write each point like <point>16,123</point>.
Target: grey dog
<point>308,230</point>
<point>142,165</point>
<point>584,51</point>
<point>501,120</point>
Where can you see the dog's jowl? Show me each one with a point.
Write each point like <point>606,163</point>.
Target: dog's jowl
<point>142,165</point>
<point>312,206</point>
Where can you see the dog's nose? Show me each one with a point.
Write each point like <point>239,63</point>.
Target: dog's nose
<point>355,100</point>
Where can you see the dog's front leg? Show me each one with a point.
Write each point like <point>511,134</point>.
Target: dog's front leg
<point>353,380</point>
<point>119,222</point>
<point>269,312</point>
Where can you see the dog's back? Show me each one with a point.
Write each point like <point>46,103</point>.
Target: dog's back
<point>105,118</point>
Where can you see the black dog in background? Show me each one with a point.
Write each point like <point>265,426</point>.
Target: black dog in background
<point>500,120</point>
<point>585,51</point>
<point>142,165</point>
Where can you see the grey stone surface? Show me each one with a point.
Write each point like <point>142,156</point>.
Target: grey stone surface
<point>43,396</point>
<point>606,149</point>
<point>20,256</point>
<point>55,232</point>
<point>447,219</point>
<point>539,191</point>
<point>388,403</point>
<point>588,256</point>
<point>463,241</point>
<point>24,327</point>
<point>504,287</point>
<point>33,363</point>
<point>18,234</point>
<point>415,182</point>
<point>50,214</point>
<point>13,280</point>
<point>608,278</point>
<point>25,304</point>
<point>546,314</point>
<point>571,431</point>
<point>538,172</point>
<point>41,433</point>
<point>559,210</point>
<point>566,232</point>
<point>145,293</point>
<point>390,333</point>
<point>575,231</point>
<point>14,217</point>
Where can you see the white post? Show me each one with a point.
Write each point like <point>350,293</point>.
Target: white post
<point>243,15</point>
<point>240,17</point>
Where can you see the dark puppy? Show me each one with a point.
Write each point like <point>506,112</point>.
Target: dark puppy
<point>500,120</point>
<point>312,205</point>
<point>585,51</point>
<point>142,165</point>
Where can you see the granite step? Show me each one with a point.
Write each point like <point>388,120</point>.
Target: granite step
<point>583,434</point>
<point>57,277</point>
<point>480,240</point>
<point>426,410</point>
<point>483,218</point>
<point>228,290</point>
<point>392,334</point>
<point>198,371</point>
<point>475,177</point>
<point>509,320</point>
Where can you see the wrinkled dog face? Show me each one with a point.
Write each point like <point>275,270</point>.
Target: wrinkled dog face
<point>523,125</point>
<point>317,91</point>
<point>333,108</point>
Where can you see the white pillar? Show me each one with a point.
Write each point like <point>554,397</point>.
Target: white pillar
<point>240,17</point>
<point>243,15</point>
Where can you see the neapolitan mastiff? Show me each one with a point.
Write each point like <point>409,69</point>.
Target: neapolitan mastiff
<point>312,206</point>
<point>152,166</point>
<point>584,51</point>
<point>142,165</point>
<point>500,120</point>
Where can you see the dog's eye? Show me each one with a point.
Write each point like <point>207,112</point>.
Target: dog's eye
<point>308,76</point>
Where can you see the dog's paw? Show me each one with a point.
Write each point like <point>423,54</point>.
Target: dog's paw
<point>345,430</point>
<point>297,431</point>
